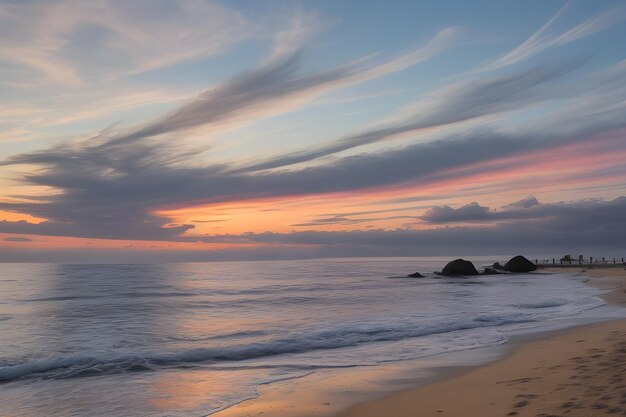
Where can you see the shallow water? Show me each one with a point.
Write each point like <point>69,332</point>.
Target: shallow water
<point>191,339</point>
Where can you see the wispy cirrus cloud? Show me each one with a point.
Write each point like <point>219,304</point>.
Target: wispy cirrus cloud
<point>466,100</point>
<point>277,86</point>
<point>66,41</point>
<point>546,38</point>
<point>28,122</point>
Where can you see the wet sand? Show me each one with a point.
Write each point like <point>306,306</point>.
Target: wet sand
<point>573,373</point>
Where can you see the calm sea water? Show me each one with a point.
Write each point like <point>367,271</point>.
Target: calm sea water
<point>191,339</point>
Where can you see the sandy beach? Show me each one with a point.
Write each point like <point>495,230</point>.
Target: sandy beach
<point>577,372</point>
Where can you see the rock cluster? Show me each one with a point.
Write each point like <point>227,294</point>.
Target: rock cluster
<point>461,267</point>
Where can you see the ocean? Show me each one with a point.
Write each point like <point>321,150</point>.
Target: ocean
<point>191,339</point>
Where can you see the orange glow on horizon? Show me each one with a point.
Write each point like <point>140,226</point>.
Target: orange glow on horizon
<point>554,170</point>
<point>16,217</point>
<point>492,183</point>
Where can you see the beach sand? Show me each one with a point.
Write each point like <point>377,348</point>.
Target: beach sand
<point>573,373</point>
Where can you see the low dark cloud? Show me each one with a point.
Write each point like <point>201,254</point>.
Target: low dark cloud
<point>209,221</point>
<point>591,228</point>
<point>447,214</point>
<point>17,239</point>
<point>554,227</point>
<point>347,220</point>
<point>391,210</point>
<point>113,194</point>
<point>578,214</point>
<point>527,202</point>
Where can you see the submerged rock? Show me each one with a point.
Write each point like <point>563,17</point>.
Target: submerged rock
<point>415,275</point>
<point>491,271</point>
<point>519,264</point>
<point>459,267</point>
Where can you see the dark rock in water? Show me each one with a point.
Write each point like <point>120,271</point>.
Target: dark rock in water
<point>459,267</point>
<point>491,271</point>
<point>497,265</point>
<point>415,275</point>
<point>519,264</point>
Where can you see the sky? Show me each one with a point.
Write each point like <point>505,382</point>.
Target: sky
<point>191,130</point>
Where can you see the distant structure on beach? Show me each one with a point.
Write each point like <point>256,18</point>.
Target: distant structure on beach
<point>567,260</point>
